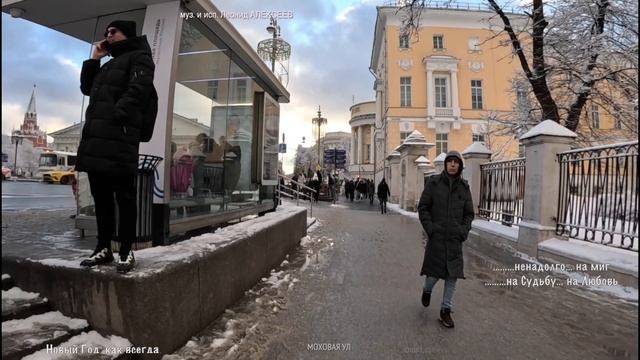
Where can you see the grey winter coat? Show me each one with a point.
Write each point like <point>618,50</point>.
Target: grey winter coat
<point>118,91</point>
<point>446,212</point>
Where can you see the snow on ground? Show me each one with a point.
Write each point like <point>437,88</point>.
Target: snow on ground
<point>52,317</point>
<point>618,259</point>
<point>155,259</point>
<point>622,292</point>
<point>245,327</point>
<point>396,208</point>
<point>17,294</point>
<point>79,347</point>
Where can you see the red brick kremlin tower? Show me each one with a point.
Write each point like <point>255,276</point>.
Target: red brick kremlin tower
<point>29,128</point>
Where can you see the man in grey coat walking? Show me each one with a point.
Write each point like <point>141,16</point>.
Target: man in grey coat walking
<point>446,213</point>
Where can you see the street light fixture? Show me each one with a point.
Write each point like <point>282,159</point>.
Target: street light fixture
<point>16,139</point>
<point>318,122</point>
<point>276,50</point>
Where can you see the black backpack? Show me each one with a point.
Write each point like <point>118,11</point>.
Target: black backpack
<point>149,114</point>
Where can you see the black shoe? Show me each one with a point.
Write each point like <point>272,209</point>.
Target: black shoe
<point>426,299</point>
<point>445,318</point>
<point>126,263</point>
<point>99,257</point>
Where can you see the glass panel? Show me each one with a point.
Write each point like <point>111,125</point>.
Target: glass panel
<point>197,166</point>
<point>270,142</point>
<point>441,92</point>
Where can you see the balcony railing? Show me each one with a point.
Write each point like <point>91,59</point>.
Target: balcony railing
<point>444,112</point>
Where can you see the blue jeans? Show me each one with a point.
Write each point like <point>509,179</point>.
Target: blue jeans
<point>449,289</point>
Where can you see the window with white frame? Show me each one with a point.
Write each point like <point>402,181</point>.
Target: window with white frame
<point>441,92</point>
<point>404,41</point>
<point>438,41</point>
<point>478,138</point>
<point>476,94</point>
<point>405,91</point>
<point>595,116</point>
<point>442,141</point>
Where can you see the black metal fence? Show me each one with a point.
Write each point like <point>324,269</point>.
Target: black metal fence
<point>502,191</point>
<point>598,200</point>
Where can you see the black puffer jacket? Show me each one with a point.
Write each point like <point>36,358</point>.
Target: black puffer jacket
<point>446,212</point>
<point>118,92</point>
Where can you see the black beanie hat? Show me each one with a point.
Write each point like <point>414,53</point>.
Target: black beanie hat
<point>128,28</point>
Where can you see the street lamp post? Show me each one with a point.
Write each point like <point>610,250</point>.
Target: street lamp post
<point>318,121</point>
<point>16,139</point>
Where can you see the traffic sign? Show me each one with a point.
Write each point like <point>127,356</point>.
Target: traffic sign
<point>282,148</point>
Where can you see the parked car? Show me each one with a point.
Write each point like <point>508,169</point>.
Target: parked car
<point>6,173</point>
<point>63,177</point>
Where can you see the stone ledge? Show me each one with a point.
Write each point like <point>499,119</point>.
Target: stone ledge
<point>171,302</point>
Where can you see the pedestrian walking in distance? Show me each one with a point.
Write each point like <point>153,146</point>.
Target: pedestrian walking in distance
<point>446,212</point>
<point>383,195</point>
<point>118,94</point>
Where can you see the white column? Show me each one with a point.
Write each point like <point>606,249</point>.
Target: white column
<point>431,98</point>
<point>352,158</point>
<point>360,147</point>
<point>454,93</point>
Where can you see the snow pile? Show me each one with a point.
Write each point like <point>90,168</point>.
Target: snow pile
<point>6,276</point>
<point>50,318</point>
<point>16,294</point>
<point>510,232</point>
<point>396,208</point>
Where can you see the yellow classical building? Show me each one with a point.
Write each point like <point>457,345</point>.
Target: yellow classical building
<point>444,82</point>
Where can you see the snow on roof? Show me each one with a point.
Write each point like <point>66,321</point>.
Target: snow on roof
<point>618,259</point>
<point>549,127</point>
<point>84,340</point>
<point>476,148</point>
<point>154,260</point>
<point>422,160</point>
<point>414,139</point>
<point>440,158</point>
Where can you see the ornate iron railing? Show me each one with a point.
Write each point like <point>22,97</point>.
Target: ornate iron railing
<point>502,191</point>
<point>598,199</point>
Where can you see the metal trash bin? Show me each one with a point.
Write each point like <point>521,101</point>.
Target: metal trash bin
<point>145,181</point>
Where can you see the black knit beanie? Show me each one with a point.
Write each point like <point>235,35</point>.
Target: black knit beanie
<point>128,28</point>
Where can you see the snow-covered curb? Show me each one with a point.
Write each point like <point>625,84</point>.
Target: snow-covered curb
<point>154,260</point>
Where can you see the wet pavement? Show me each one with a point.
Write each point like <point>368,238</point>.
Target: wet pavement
<point>43,234</point>
<point>352,291</point>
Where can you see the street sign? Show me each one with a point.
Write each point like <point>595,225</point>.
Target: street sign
<point>282,148</point>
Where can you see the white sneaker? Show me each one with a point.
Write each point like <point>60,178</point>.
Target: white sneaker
<point>127,264</point>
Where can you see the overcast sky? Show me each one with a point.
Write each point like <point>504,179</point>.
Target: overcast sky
<point>331,48</point>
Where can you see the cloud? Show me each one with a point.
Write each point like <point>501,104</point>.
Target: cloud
<point>331,48</point>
